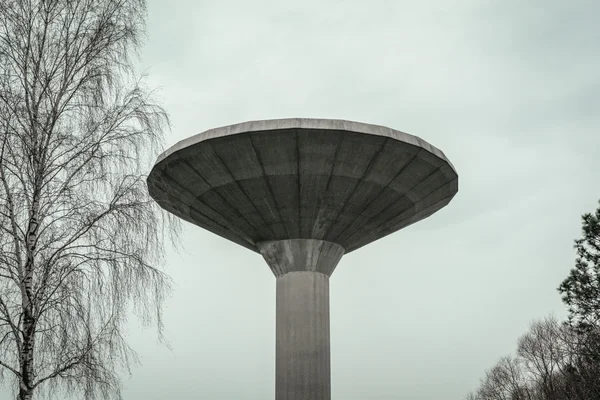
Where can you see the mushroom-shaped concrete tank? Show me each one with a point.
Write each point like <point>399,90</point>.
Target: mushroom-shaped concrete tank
<point>303,192</point>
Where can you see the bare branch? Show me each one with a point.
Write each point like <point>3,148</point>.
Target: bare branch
<point>80,239</point>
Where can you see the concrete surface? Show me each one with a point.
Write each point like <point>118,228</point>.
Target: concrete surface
<point>338,181</point>
<point>302,358</point>
<point>311,255</point>
<point>302,351</point>
<point>303,192</point>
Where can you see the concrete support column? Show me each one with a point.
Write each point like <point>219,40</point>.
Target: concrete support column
<point>302,268</point>
<point>302,365</point>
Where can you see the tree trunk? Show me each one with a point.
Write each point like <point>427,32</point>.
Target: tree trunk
<point>25,394</point>
<point>27,373</point>
<point>27,297</point>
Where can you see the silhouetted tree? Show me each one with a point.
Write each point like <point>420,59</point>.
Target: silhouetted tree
<point>581,289</point>
<point>581,293</point>
<point>548,366</point>
<point>543,354</point>
<point>559,361</point>
<point>80,238</point>
<point>504,381</point>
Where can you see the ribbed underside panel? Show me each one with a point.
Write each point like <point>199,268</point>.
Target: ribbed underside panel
<point>339,186</point>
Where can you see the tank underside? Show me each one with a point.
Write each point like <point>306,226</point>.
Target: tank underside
<point>336,181</point>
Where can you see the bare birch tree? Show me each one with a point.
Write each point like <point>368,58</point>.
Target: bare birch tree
<point>80,239</point>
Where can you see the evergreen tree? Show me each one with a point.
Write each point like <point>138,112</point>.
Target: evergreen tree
<point>581,289</point>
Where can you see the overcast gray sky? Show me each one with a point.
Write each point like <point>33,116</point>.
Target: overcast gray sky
<point>509,90</point>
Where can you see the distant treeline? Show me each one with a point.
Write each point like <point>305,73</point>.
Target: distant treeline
<point>558,360</point>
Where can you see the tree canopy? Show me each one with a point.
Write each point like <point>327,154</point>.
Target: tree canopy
<point>581,289</point>
<point>554,360</point>
<point>81,241</point>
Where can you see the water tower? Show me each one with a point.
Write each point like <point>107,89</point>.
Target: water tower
<point>302,193</point>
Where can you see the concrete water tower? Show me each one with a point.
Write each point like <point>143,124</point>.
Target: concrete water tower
<point>302,192</point>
